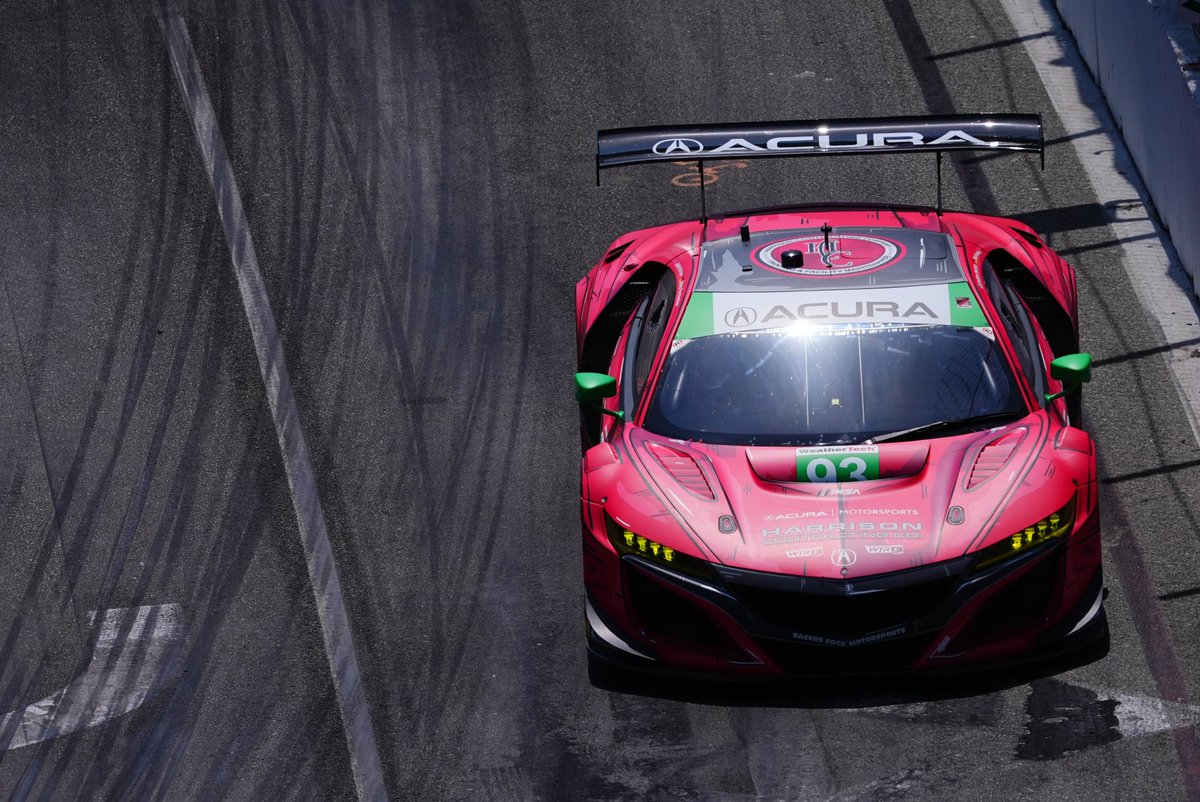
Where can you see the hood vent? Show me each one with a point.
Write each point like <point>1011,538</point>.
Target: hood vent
<point>683,469</point>
<point>993,457</point>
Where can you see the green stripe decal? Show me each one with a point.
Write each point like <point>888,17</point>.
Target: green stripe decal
<point>837,464</point>
<point>697,318</point>
<point>964,309</point>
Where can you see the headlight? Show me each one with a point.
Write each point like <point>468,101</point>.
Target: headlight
<point>626,541</point>
<point>1052,527</point>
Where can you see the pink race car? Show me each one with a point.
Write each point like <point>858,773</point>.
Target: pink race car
<point>830,439</point>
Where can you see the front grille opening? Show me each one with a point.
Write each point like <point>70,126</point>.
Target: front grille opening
<point>1020,606</point>
<point>845,616</point>
<point>670,616</point>
<point>896,655</point>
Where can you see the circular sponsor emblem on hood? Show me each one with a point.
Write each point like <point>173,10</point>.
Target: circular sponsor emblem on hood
<point>844,557</point>
<point>845,254</point>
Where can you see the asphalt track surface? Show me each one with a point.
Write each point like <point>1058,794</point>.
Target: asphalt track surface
<point>418,181</point>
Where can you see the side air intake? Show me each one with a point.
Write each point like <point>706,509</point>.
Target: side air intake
<point>993,457</point>
<point>683,469</point>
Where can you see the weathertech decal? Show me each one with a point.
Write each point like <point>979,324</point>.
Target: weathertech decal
<point>837,464</point>
<point>833,256</point>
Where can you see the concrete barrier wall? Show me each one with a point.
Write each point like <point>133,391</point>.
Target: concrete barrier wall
<point>1144,55</point>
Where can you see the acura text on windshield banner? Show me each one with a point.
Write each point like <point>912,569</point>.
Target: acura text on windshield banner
<point>1014,132</point>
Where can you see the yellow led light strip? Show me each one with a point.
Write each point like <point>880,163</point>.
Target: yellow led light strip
<point>646,546</point>
<point>1049,528</point>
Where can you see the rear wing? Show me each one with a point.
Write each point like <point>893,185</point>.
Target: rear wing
<point>617,147</point>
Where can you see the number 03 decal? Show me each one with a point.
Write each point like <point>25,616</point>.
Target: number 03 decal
<point>850,464</point>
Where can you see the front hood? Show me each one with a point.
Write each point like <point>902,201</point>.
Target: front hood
<point>934,500</point>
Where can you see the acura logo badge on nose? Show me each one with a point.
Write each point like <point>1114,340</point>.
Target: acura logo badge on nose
<point>686,147</point>
<point>844,557</point>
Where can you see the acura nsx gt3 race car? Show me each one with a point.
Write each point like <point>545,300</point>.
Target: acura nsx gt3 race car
<point>834,439</point>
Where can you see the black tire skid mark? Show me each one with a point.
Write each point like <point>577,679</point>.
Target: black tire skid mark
<point>61,495</point>
<point>158,283</point>
<point>166,747</point>
<point>938,99</point>
<point>416,464</point>
<point>492,435</point>
<point>443,351</point>
<point>228,560</point>
<point>371,611</point>
<point>34,365</point>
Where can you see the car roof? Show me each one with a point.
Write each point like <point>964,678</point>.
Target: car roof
<point>826,258</point>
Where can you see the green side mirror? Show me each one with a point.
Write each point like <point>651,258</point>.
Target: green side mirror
<point>593,388</point>
<point>1072,370</point>
<point>1075,368</point>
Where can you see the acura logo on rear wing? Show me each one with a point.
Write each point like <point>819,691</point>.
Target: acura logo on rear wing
<point>677,147</point>
<point>741,146</point>
<point>620,146</point>
<point>999,132</point>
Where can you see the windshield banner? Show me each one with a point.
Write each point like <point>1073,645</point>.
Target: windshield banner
<point>731,312</point>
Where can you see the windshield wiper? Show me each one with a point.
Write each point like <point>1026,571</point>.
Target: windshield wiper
<point>946,425</point>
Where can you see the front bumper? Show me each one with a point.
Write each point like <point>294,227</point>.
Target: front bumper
<point>933,619</point>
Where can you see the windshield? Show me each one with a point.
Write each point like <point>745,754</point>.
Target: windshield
<point>816,385</point>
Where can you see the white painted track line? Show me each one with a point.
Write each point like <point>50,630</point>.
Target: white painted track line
<point>327,587</point>
<point>1150,259</point>
<point>136,653</point>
